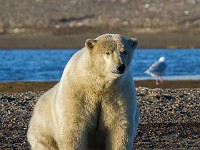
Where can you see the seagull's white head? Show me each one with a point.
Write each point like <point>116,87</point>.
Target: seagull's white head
<point>161,59</point>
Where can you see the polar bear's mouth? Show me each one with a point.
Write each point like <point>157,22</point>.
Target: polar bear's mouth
<point>117,72</point>
<point>119,69</point>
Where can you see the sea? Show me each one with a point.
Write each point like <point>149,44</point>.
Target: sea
<point>48,64</point>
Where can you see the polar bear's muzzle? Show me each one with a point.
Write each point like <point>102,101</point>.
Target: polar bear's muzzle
<point>119,69</point>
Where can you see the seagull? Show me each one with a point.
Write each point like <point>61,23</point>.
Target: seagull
<point>157,70</point>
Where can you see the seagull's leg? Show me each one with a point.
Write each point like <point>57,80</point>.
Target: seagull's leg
<point>157,80</point>
<point>161,79</point>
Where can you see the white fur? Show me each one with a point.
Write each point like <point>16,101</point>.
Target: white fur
<point>91,107</point>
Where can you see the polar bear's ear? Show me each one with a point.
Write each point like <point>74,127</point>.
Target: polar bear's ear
<point>89,43</point>
<point>134,42</point>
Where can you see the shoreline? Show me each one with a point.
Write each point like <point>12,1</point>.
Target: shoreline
<point>14,87</point>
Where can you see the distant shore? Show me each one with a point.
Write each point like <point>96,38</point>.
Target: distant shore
<point>67,24</point>
<point>77,40</point>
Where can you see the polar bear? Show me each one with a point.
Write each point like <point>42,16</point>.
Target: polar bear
<point>94,105</point>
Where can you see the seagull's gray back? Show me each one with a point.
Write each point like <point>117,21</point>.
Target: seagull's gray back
<point>157,68</point>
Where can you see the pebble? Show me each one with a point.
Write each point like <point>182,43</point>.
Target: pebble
<point>169,118</point>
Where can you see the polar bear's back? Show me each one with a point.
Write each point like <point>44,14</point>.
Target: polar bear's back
<point>72,62</point>
<point>44,120</point>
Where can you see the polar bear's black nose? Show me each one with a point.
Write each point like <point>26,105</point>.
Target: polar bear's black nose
<point>120,68</point>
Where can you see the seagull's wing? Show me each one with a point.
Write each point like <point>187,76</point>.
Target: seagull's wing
<point>157,67</point>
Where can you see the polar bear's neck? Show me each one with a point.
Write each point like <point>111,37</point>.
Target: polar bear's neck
<point>93,80</point>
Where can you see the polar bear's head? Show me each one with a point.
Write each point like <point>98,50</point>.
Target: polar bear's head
<point>111,53</point>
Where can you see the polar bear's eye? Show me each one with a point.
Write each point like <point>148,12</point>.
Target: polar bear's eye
<point>107,53</point>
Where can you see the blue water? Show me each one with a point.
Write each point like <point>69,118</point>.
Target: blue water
<point>48,65</point>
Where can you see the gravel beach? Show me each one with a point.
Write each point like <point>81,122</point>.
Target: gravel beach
<point>169,118</point>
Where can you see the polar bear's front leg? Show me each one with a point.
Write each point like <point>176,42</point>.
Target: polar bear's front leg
<point>72,137</point>
<point>120,138</point>
<point>119,126</point>
<point>73,125</point>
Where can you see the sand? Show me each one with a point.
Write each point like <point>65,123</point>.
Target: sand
<point>77,40</point>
